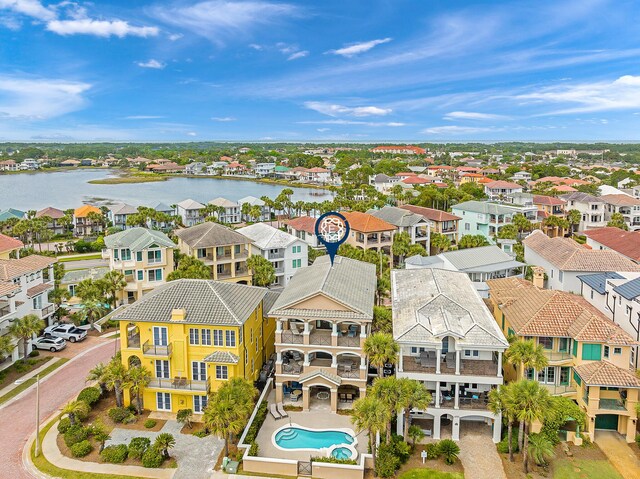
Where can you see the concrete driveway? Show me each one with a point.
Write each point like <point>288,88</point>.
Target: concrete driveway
<point>618,452</point>
<point>478,453</point>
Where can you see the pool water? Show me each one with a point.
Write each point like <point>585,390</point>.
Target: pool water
<point>298,438</point>
<point>341,453</point>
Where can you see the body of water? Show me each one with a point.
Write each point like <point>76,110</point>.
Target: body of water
<point>71,189</point>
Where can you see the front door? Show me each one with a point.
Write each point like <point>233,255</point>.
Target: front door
<point>160,337</point>
<point>163,401</point>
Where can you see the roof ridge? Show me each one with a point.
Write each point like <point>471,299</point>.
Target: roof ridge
<point>224,303</point>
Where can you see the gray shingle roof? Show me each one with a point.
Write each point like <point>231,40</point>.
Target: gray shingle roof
<point>210,234</point>
<point>266,236</point>
<point>629,290</point>
<point>485,207</point>
<point>137,239</point>
<point>581,197</point>
<point>190,204</point>
<point>349,282</point>
<point>252,200</point>
<point>397,216</point>
<point>163,207</point>
<point>221,357</point>
<point>123,209</point>
<point>597,281</point>
<point>472,259</point>
<point>205,302</point>
<point>429,304</point>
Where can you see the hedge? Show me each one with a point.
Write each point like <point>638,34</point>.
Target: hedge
<point>114,454</point>
<point>81,448</point>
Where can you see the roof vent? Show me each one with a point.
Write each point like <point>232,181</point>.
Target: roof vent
<point>179,314</point>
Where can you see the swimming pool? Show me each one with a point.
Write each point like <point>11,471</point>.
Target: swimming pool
<point>339,443</point>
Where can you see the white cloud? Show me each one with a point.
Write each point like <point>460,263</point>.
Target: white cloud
<point>143,117</point>
<point>296,55</point>
<point>456,130</point>
<point>353,122</point>
<point>30,8</point>
<point>471,115</point>
<point>175,36</point>
<point>192,133</point>
<point>42,98</point>
<point>357,48</point>
<point>322,130</point>
<point>255,46</point>
<point>223,118</point>
<point>152,63</point>
<point>100,28</point>
<point>337,110</point>
<point>218,20</point>
<point>620,94</point>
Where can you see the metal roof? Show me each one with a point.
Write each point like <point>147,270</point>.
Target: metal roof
<point>138,239</point>
<point>598,281</point>
<point>629,290</point>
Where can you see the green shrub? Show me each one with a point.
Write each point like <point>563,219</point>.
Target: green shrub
<point>132,409</point>
<point>89,395</point>
<point>259,418</point>
<point>121,415</point>
<point>35,353</point>
<point>201,433</point>
<point>138,446</point>
<point>152,457</point>
<point>81,448</point>
<point>330,459</point>
<point>64,425</point>
<point>253,450</point>
<point>114,454</point>
<point>638,439</point>
<point>149,423</point>
<point>432,450</point>
<point>387,463</point>
<point>75,434</point>
<point>401,449</point>
<point>449,450</point>
<point>503,446</point>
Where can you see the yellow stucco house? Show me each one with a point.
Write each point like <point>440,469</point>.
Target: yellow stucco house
<point>589,356</point>
<point>193,335</point>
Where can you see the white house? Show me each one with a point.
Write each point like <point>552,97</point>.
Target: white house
<point>498,190</point>
<point>195,168</point>
<point>264,169</point>
<point>627,206</point>
<point>190,211</point>
<point>29,164</point>
<point>521,175</point>
<point>627,243</point>
<point>303,227</point>
<point>591,207</point>
<point>253,201</point>
<point>382,182</point>
<point>450,342</point>
<point>232,212</point>
<point>563,260</point>
<point>415,225</point>
<point>119,213</point>
<point>286,252</point>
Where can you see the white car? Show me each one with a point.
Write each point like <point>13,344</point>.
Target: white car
<point>50,344</point>
<point>65,331</point>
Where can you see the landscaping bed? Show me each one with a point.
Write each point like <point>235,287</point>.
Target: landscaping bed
<point>19,368</point>
<point>415,463</point>
<point>196,427</point>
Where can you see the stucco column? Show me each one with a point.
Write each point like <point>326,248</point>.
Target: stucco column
<point>497,428</point>
<point>455,430</point>
<point>306,360</point>
<point>278,326</point>
<point>334,400</point>
<point>499,364</point>
<point>278,356</point>
<point>334,329</point>
<point>437,393</point>
<point>279,393</point>
<point>334,360</point>
<point>456,403</point>
<point>436,426</point>
<point>400,362</point>
<point>438,353</point>
<point>306,333</point>
<point>305,398</point>
<point>458,362</point>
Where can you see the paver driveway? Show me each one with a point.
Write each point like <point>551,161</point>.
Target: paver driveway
<point>196,456</point>
<point>619,453</point>
<point>478,453</point>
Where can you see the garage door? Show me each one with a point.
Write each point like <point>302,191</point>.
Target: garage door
<point>607,421</point>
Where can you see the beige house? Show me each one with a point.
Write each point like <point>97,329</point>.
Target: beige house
<point>322,322</point>
<point>223,250</point>
<point>144,256</point>
<point>369,232</point>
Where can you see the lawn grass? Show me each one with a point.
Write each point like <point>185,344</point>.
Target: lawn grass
<point>584,469</point>
<point>31,381</point>
<point>45,466</point>
<point>67,259</point>
<point>430,474</point>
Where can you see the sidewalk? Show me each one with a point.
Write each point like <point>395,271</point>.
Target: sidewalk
<point>27,376</point>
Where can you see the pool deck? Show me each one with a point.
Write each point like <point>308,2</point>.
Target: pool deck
<point>313,420</point>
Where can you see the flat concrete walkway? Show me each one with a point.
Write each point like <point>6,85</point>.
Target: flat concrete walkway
<point>478,453</point>
<point>618,452</point>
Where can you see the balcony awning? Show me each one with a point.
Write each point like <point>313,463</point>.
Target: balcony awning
<point>31,292</point>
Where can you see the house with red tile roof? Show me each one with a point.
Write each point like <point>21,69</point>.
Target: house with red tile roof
<point>627,243</point>
<point>55,215</point>
<point>399,150</point>
<point>499,189</point>
<point>8,245</point>
<point>440,221</point>
<point>304,227</point>
<point>369,232</point>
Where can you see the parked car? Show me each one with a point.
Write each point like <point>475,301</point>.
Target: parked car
<point>51,344</point>
<point>65,331</point>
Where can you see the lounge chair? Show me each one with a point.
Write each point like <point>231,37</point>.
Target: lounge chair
<point>274,412</point>
<point>281,411</point>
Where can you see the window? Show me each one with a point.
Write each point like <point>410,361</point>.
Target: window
<point>206,337</point>
<point>154,256</point>
<point>563,345</point>
<point>605,353</point>
<point>72,289</point>
<point>199,371</point>
<point>591,352</point>
<point>475,353</point>
<point>160,337</point>
<point>561,275</point>
<point>297,263</point>
<point>163,401</point>
<point>617,350</point>
<point>155,274</point>
<point>202,252</point>
<point>139,256</point>
<point>236,249</point>
<point>193,336</point>
<point>125,254</point>
<point>591,294</point>
<point>628,309</point>
<point>162,369</point>
<point>296,249</point>
<point>240,331</point>
<point>218,338</point>
<point>231,339</point>
<point>128,272</point>
<point>246,356</point>
<point>140,275</point>
<point>222,372</point>
<point>545,342</point>
<point>574,351</point>
<point>116,255</point>
<point>564,375</point>
<point>220,251</point>
<point>547,375</point>
<point>467,227</point>
<point>37,302</point>
<point>529,373</point>
<point>467,352</point>
<point>552,273</point>
<point>199,403</point>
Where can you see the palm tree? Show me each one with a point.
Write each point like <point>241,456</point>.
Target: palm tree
<point>164,442</point>
<point>389,391</point>
<point>92,310</point>
<point>116,379</point>
<point>220,416</point>
<point>24,329</point>
<point>98,374</point>
<point>139,378</point>
<point>6,347</point>
<point>540,449</point>
<point>381,349</point>
<point>574,217</point>
<point>415,395</point>
<point>74,410</point>
<point>527,354</point>
<point>369,414</point>
<point>100,434</point>
<point>532,401</point>
<point>114,282</point>
<point>449,450</point>
<point>416,434</point>
<point>440,242</point>
<point>502,401</point>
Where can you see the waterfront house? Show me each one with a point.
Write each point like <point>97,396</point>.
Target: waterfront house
<point>264,169</point>
<point>223,250</point>
<point>589,356</point>
<point>162,225</point>
<point>286,252</point>
<point>563,260</point>
<point>9,245</point>
<point>322,322</point>
<point>83,224</point>
<point>627,243</point>
<point>70,163</point>
<point>190,211</point>
<point>194,335</point>
<point>216,168</point>
<point>231,212</point>
<point>119,213</point>
<point>8,165</point>
<point>406,221</point>
<point>486,219</point>
<point>441,221</point>
<point>144,256</point>
<point>265,212</point>
<point>195,168</point>
<point>55,225</point>
<point>449,342</point>
<point>369,232</point>
<point>29,164</point>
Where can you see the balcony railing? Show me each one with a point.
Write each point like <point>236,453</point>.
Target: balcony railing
<point>555,356</point>
<point>183,384</point>
<point>352,374</point>
<point>353,341</point>
<point>559,389</point>
<point>278,255</point>
<point>613,404</point>
<point>290,338</point>
<point>149,349</point>
<point>5,310</point>
<point>46,311</point>
<point>322,338</point>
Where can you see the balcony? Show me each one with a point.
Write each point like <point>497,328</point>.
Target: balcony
<point>46,311</point>
<point>179,383</point>
<point>468,367</point>
<point>5,310</point>
<point>279,270</point>
<point>290,337</point>
<point>320,337</point>
<point>242,254</point>
<point>555,357</point>
<point>349,341</point>
<point>559,389</point>
<point>613,404</point>
<point>149,349</point>
<point>278,255</point>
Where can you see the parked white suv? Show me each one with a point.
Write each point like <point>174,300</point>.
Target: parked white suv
<point>52,344</point>
<point>65,331</point>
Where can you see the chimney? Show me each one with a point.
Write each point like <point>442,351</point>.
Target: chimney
<point>538,276</point>
<point>178,314</point>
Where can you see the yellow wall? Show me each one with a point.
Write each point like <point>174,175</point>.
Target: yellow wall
<point>141,287</point>
<point>212,261</point>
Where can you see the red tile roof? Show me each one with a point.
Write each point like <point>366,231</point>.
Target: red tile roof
<point>547,200</point>
<point>627,243</point>
<point>417,150</point>
<point>366,223</point>
<point>7,243</point>
<point>51,212</point>
<point>565,188</point>
<point>503,184</point>
<point>303,223</point>
<point>431,213</point>
<point>415,180</point>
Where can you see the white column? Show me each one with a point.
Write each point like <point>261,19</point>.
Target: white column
<point>400,362</point>
<point>499,364</point>
<point>278,326</point>
<point>497,428</point>
<point>438,353</point>
<point>334,329</point>
<point>278,356</point>
<point>400,424</point>
<point>436,426</point>
<point>458,361</point>
<point>437,393</point>
<point>455,431</point>
<point>456,403</point>
<point>306,327</point>
<point>334,360</point>
<point>306,360</point>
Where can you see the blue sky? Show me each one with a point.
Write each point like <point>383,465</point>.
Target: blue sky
<point>357,70</point>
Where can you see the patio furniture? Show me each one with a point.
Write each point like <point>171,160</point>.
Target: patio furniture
<point>274,412</point>
<point>446,395</point>
<point>296,356</point>
<point>427,432</point>
<point>294,395</point>
<point>347,368</point>
<point>323,395</point>
<point>281,411</point>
